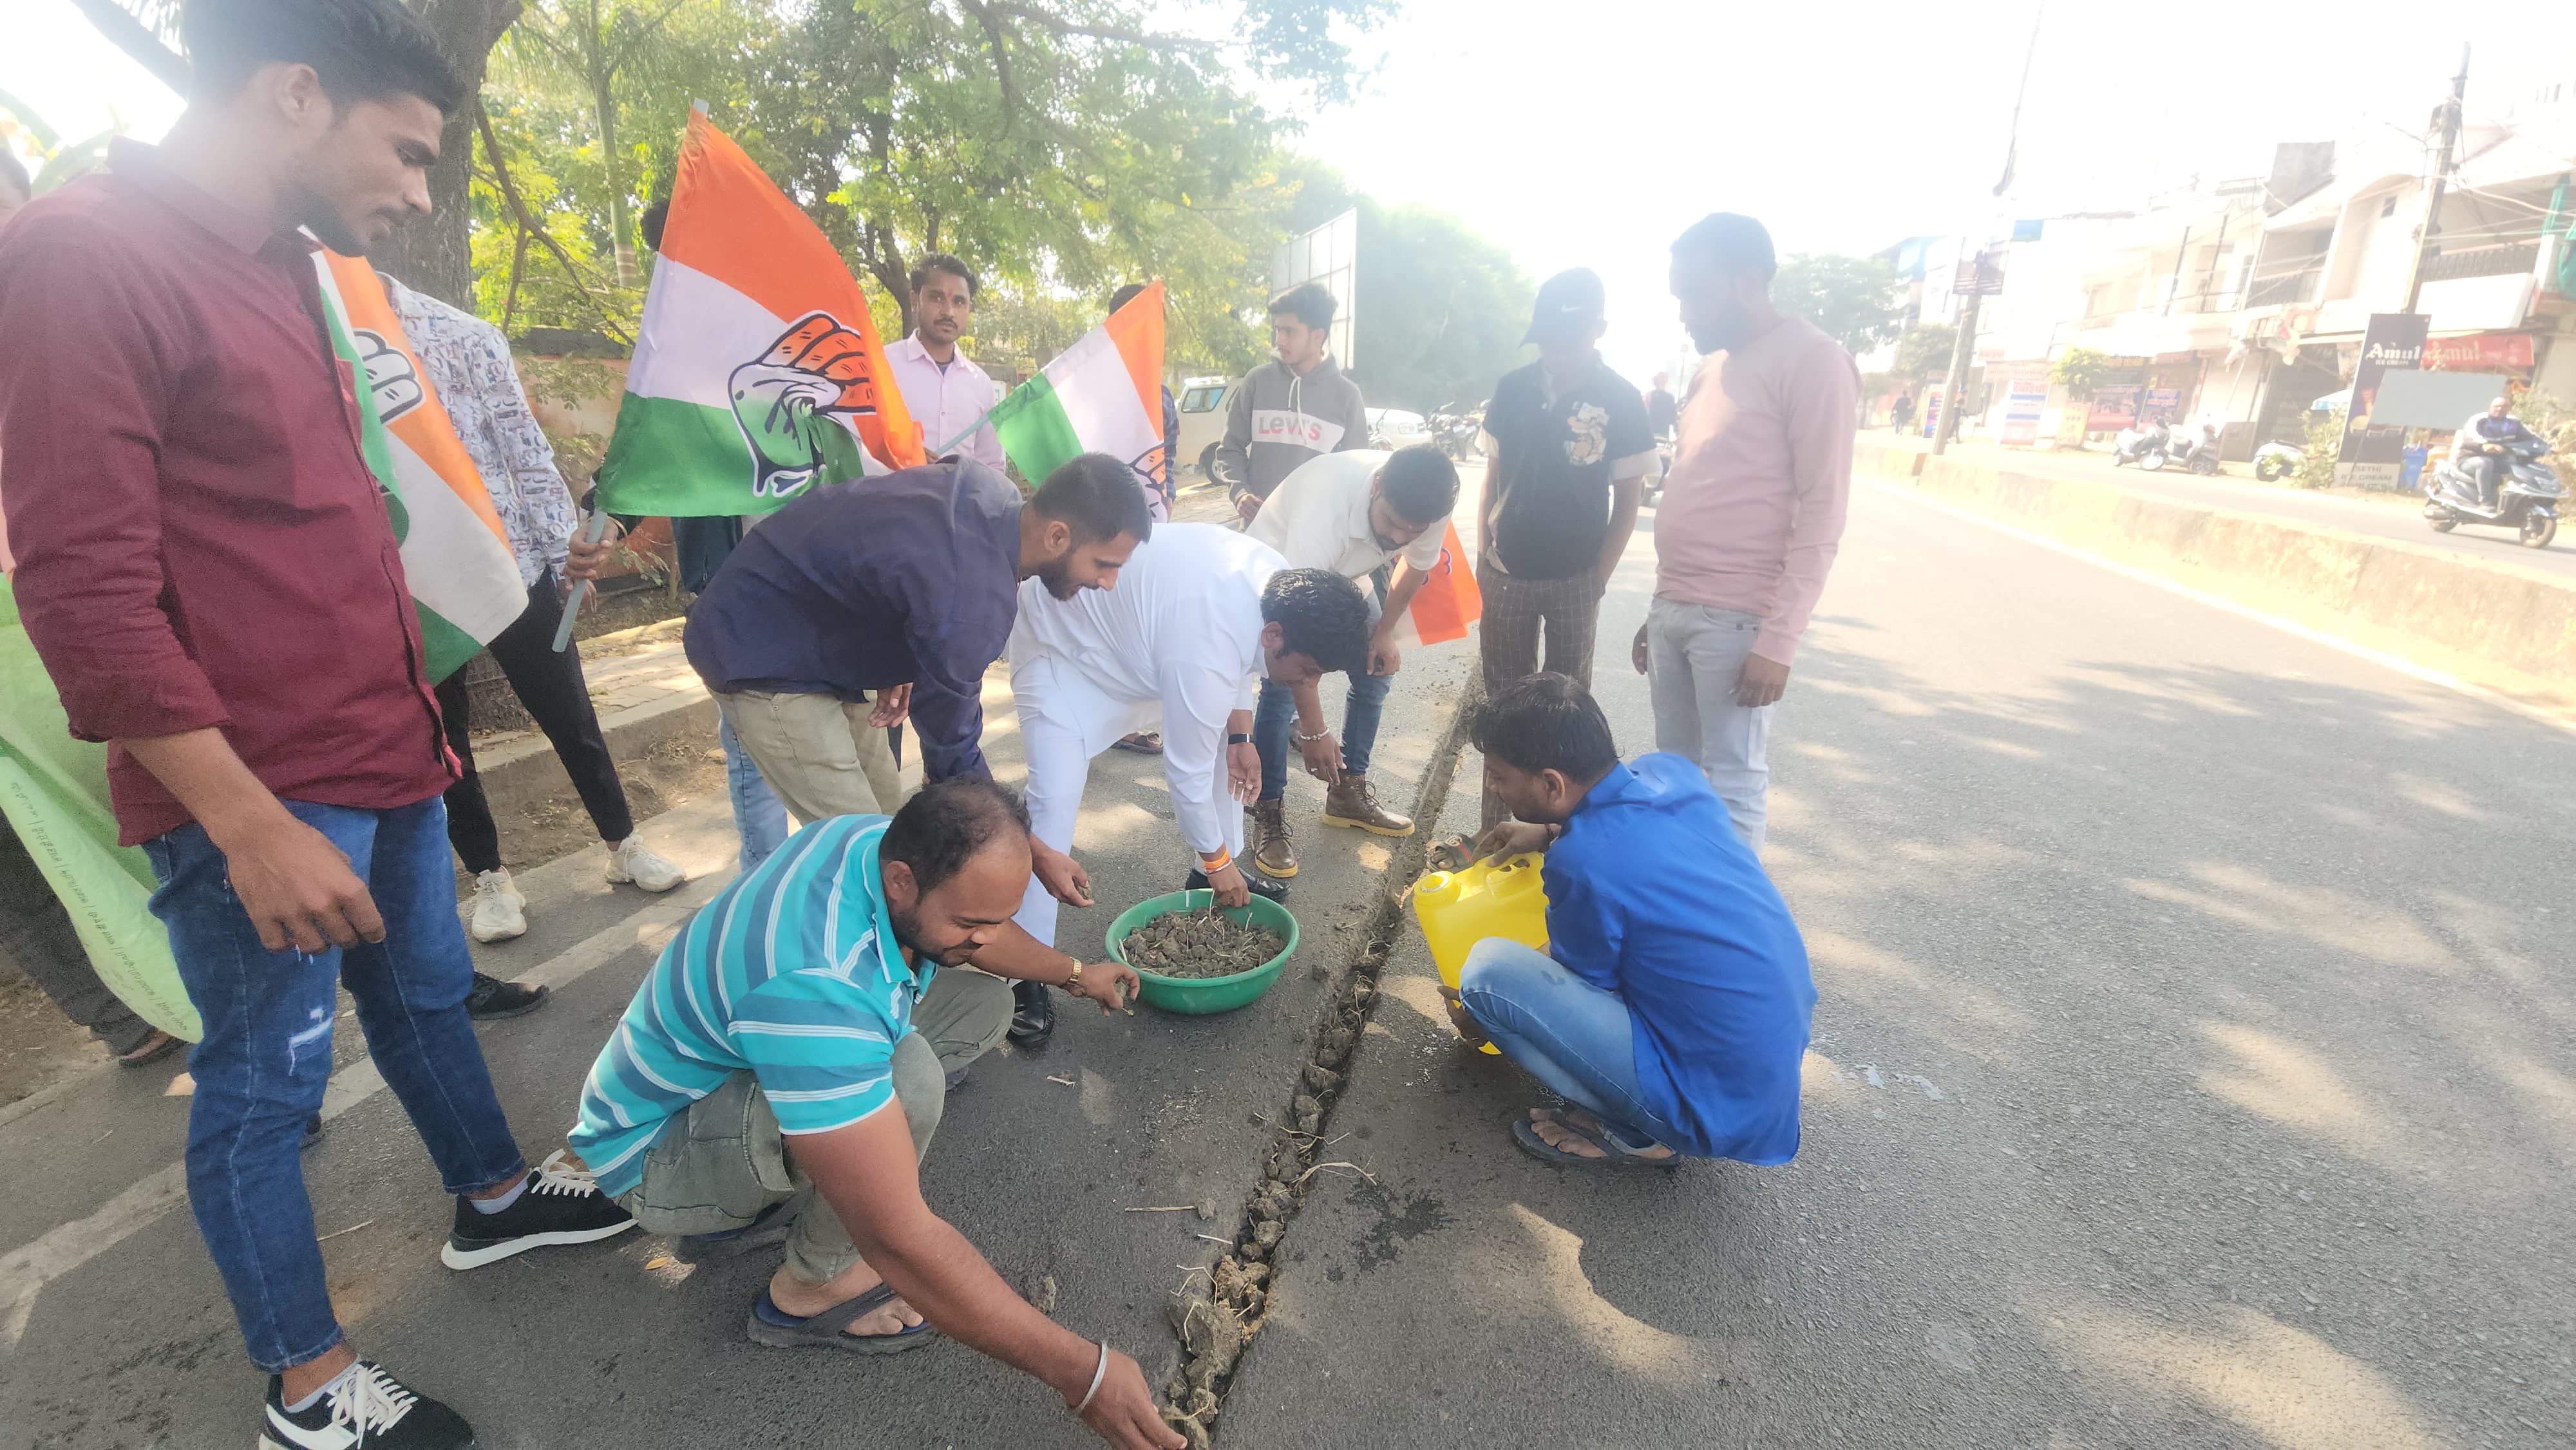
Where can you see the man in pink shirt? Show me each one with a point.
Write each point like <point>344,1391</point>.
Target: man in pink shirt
<point>942,388</point>
<point>1750,516</point>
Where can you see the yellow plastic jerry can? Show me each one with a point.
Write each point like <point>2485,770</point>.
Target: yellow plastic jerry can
<point>1460,908</point>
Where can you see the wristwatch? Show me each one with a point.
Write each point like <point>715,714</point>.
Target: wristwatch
<point>1238,738</point>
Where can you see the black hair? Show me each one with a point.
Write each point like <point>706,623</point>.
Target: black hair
<point>1732,244</point>
<point>363,50</point>
<point>942,262</point>
<point>1320,615</point>
<point>947,823</point>
<point>655,218</point>
<point>1308,302</point>
<point>1546,722</point>
<point>1421,482</point>
<point>1099,496</point>
<point>1125,295</point>
<point>14,173</point>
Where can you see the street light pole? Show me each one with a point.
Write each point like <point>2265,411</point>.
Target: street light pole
<point>2425,241</point>
<point>1964,351</point>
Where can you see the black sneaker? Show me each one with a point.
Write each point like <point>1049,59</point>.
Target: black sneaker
<point>559,1206</point>
<point>492,999</point>
<point>1032,1014</point>
<point>364,1409</point>
<point>1261,885</point>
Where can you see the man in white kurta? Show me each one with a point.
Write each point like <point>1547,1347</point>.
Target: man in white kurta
<point>1201,616</point>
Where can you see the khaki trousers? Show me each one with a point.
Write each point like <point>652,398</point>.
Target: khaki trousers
<point>818,753</point>
<point>718,1165</point>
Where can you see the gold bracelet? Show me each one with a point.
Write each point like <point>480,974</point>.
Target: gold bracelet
<point>1073,983</point>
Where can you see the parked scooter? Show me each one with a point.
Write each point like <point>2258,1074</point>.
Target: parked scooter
<point>2136,445</point>
<point>2526,498</point>
<point>2276,461</point>
<point>2198,452</point>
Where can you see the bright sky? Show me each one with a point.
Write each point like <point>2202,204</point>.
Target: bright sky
<point>1590,132</point>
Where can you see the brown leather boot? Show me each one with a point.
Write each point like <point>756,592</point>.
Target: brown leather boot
<point>1350,802</point>
<point>1270,849</point>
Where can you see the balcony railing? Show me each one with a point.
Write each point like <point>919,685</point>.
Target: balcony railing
<point>2510,259</point>
<point>2286,290</point>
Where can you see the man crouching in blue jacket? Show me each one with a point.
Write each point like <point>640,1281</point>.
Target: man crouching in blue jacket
<point>1672,1004</point>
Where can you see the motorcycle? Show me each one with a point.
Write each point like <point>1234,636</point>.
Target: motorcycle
<point>1457,434</point>
<point>2276,461</point>
<point>2526,499</point>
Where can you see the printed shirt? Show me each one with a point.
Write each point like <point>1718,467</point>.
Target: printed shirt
<point>1651,896</point>
<point>944,400</point>
<point>791,973</point>
<point>469,363</point>
<point>910,577</point>
<point>1555,455</point>
<point>1318,518</point>
<point>1182,627</point>
<point>1752,512</point>
<point>200,544</point>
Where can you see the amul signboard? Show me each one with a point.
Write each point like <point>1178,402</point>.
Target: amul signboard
<point>2372,457</point>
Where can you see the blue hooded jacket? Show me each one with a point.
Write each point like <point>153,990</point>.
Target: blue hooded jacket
<point>1652,896</point>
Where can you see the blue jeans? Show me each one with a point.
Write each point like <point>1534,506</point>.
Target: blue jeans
<point>266,1056</point>
<point>757,815</point>
<point>1561,1029</point>
<point>1277,716</point>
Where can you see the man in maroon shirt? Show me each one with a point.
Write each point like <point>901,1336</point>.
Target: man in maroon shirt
<point>211,575</point>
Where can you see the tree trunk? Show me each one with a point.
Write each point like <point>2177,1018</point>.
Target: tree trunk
<point>435,255</point>
<point>604,102</point>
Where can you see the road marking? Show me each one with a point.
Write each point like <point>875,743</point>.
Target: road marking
<point>25,1271</point>
<point>2409,668</point>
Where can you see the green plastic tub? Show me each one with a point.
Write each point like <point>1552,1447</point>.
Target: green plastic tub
<point>1197,995</point>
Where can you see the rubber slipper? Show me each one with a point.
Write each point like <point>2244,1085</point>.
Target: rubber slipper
<point>1450,853</point>
<point>769,1227</point>
<point>1525,1134</point>
<point>1143,742</point>
<point>1605,1134</point>
<point>775,1327</point>
<point>159,1045</point>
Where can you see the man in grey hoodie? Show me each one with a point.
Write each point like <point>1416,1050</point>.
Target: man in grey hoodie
<point>1291,409</point>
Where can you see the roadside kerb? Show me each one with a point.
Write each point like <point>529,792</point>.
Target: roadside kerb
<point>2511,629</point>
<point>1216,1311</point>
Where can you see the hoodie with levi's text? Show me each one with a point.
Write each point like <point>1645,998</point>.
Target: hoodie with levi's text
<point>1277,420</point>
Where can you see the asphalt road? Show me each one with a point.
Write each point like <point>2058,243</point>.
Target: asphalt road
<point>2395,518</point>
<point>2192,1069</point>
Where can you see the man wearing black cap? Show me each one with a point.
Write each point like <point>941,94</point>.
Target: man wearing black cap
<point>1567,450</point>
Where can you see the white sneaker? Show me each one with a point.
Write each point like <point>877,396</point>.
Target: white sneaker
<point>632,860</point>
<point>500,912</point>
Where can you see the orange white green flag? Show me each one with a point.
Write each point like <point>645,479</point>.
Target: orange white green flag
<point>1104,394</point>
<point>757,370</point>
<point>456,556</point>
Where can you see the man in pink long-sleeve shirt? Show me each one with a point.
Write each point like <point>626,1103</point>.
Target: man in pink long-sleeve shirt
<point>1751,514</point>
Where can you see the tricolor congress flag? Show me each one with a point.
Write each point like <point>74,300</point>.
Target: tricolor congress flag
<point>1104,394</point>
<point>757,369</point>
<point>464,579</point>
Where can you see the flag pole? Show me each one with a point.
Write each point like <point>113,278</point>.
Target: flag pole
<point>580,590</point>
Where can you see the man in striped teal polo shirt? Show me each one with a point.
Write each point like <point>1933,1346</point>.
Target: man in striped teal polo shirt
<point>781,1071</point>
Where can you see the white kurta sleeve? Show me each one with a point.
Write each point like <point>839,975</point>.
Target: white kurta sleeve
<point>1197,698</point>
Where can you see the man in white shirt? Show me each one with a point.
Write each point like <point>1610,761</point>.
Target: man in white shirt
<point>942,388</point>
<point>1201,616</point>
<point>1352,513</point>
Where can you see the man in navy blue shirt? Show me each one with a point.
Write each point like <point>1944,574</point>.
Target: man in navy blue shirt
<point>1672,1003</point>
<point>860,605</point>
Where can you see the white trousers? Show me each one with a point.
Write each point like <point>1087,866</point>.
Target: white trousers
<point>1693,654</point>
<point>1065,720</point>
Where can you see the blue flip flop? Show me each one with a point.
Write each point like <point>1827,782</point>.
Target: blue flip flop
<point>775,1327</point>
<point>1616,1151</point>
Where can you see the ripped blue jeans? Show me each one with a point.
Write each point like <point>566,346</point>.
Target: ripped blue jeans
<point>266,1057</point>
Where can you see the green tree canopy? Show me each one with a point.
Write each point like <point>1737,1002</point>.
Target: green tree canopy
<point>1925,349</point>
<point>1441,309</point>
<point>1852,298</point>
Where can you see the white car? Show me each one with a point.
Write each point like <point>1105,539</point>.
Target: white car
<point>1397,428</point>
<point>1202,404</point>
